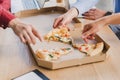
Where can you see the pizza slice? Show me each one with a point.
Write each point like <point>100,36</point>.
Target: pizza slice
<point>53,54</point>
<point>45,55</point>
<point>61,35</point>
<point>90,49</point>
<point>98,48</point>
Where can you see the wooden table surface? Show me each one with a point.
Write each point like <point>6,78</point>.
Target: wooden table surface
<point>16,59</point>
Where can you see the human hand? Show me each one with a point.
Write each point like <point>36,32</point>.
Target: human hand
<point>94,14</point>
<point>66,18</point>
<point>91,29</point>
<point>26,32</point>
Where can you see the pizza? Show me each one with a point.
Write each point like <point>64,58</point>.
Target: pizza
<point>60,35</point>
<point>52,54</point>
<point>63,35</point>
<point>90,49</point>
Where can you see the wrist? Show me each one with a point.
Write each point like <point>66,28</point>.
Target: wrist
<point>73,12</point>
<point>103,21</point>
<point>13,22</point>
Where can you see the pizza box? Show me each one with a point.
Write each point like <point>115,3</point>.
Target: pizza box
<point>43,22</point>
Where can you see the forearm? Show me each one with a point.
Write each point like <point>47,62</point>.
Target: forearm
<point>84,5</point>
<point>72,12</point>
<point>112,19</point>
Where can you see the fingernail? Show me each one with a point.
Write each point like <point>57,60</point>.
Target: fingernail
<point>34,43</point>
<point>83,36</point>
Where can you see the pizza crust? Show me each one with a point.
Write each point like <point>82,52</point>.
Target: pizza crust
<point>90,49</point>
<point>97,49</point>
<point>52,54</point>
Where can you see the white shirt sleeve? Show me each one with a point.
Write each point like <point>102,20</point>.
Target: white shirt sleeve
<point>84,5</point>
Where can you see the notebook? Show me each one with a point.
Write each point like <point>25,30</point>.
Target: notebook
<point>20,5</point>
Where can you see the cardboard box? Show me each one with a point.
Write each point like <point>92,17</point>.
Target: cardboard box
<point>43,21</point>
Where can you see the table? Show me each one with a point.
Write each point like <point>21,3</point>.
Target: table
<point>16,59</point>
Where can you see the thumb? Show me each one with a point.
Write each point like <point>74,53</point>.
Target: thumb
<point>63,22</point>
<point>87,33</point>
<point>36,33</point>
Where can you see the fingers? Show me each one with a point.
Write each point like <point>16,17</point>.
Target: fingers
<point>62,21</point>
<point>92,9</point>
<point>29,34</point>
<point>88,33</point>
<point>36,33</point>
<point>57,22</point>
<point>90,14</point>
<point>32,37</point>
<point>22,39</point>
<point>86,40</point>
<point>90,37</point>
<point>86,28</point>
<point>27,37</point>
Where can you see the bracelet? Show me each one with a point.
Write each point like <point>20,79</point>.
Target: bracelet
<point>108,13</point>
